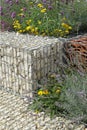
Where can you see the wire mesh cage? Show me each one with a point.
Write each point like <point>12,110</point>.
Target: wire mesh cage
<point>21,69</point>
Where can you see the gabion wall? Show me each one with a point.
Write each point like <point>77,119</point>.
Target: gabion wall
<point>22,68</point>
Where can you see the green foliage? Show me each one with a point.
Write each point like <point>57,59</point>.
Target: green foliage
<point>67,98</point>
<point>9,10</point>
<point>52,17</point>
<point>76,14</point>
<point>74,97</point>
<point>46,97</point>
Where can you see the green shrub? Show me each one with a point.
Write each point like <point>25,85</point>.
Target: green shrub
<point>76,14</point>
<point>74,97</point>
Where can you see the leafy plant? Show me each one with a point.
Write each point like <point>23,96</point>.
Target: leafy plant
<point>67,98</point>
<point>74,98</point>
<point>46,97</point>
<point>38,18</point>
<point>44,17</point>
<point>8,11</point>
<point>76,14</point>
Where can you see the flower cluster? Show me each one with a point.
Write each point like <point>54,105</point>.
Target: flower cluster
<point>27,28</point>
<point>47,96</point>
<point>32,18</point>
<point>47,17</point>
<point>66,27</point>
<point>43,92</point>
<point>37,29</point>
<point>16,24</point>
<point>42,9</point>
<point>63,30</point>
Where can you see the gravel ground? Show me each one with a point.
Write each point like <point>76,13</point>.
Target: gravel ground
<point>15,116</point>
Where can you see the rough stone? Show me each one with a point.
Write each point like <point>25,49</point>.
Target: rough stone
<point>21,67</point>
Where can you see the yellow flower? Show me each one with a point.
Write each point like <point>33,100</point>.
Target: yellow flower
<point>40,92</point>
<point>64,25</point>
<point>70,28</point>
<point>40,5</point>
<point>21,14</point>
<point>36,28</point>
<point>32,30</point>
<point>28,21</point>
<point>21,9</point>
<point>39,22</point>
<point>24,30</point>
<point>67,31</point>
<point>20,31</point>
<point>28,28</point>
<point>16,24</point>
<point>45,92</point>
<point>60,30</point>
<point>16,21</point>
<point>36,33</point>
<point>43,10</point>
<point>58,91</point>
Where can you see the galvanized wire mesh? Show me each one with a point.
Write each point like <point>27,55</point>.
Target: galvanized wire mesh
<point>21,69</point>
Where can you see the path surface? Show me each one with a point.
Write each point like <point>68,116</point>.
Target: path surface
<point>14,116</point>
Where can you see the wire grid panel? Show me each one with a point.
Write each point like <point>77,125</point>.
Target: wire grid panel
<point>15,69</point>
<point>21,69</point>
<point>45,61</point>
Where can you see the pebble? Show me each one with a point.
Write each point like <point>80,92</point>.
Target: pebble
<point>25,41</point>
<point>17,120</point>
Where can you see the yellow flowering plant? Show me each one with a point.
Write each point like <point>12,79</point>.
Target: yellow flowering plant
<point>41,19</point>
<point>52,18</point>
<point>46,97</point>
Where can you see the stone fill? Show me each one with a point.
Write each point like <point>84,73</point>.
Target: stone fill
<point>25,60</point>
<point>14,115</point>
